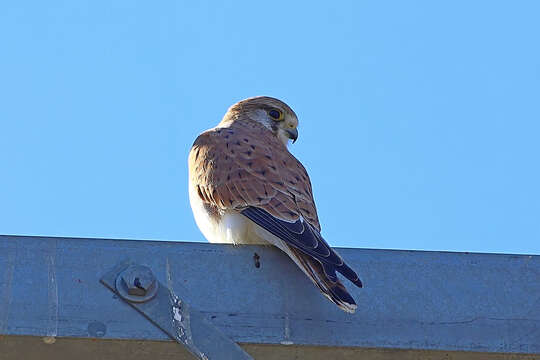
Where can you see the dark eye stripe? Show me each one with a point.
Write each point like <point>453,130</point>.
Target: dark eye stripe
<point>274,114</point>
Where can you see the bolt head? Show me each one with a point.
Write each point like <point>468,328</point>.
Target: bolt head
<point>138,280</point>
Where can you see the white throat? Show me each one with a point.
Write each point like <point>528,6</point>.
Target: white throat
<point>283,137</point>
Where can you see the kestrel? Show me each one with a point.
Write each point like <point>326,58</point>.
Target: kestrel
<point>245,187</point>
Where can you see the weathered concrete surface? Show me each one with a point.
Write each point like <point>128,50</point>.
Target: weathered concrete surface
<point>467,303</point>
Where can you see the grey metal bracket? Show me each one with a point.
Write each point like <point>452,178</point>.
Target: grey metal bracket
<point>137,286</point>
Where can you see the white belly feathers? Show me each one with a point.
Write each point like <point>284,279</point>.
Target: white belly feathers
<point>227,227</point>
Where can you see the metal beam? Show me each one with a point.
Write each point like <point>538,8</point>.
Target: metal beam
<point>414,303</point>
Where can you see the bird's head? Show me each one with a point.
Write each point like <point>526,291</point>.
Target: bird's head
<point>272,113</point>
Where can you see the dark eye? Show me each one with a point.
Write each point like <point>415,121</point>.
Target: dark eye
<point>275,114</point>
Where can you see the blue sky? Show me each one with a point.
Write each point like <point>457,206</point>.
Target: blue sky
<point>419,120</point>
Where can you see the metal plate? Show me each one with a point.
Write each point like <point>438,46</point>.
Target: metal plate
<point>180,321</point>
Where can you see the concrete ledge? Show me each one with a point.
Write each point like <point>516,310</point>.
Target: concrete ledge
<point>416,303</point>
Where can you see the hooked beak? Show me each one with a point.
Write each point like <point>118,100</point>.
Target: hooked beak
<point>293,135</point>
